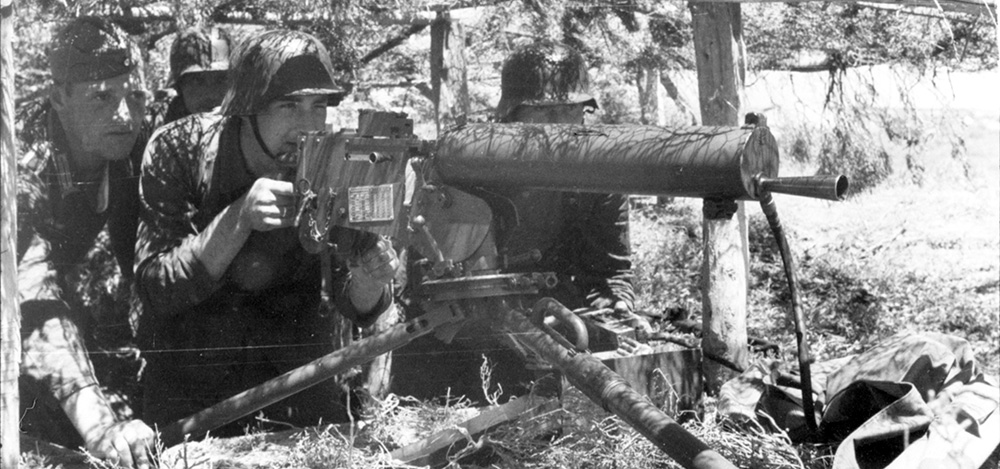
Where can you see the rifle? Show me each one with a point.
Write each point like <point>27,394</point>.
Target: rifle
<point>359,180</point>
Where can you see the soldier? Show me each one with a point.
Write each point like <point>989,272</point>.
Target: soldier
<point>583,238</point>
<point>80,149</point>
<point>199,59</point>
<point>231,299</point>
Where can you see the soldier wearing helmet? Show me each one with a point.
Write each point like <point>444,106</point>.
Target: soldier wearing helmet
<point>230,297</point>
<point>583,238</point>
<point>199,60</point>
<point>78,175</point>
<point>544,77</point>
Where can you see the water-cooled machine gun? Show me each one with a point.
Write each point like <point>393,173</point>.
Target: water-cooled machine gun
<point>360,179</point>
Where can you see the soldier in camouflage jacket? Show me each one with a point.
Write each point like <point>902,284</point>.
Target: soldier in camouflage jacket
<point>77,176</point>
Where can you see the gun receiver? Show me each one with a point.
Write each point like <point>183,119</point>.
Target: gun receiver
<point>354,179</point>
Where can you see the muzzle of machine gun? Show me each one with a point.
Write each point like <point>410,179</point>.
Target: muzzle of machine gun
<point>820,187</point>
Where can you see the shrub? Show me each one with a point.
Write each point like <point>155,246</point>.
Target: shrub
<point>851,150</point>
<point>666,256</point>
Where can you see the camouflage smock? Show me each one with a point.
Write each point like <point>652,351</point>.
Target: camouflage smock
<point>582,237</point>
<point>59,220</point>
<point>204,338</point>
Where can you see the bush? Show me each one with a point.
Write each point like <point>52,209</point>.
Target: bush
<point>666,256</point>
<point>850,150</point>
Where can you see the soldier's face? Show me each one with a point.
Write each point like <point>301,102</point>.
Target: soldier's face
<point>203,91</point>
<point>550,114</point>
<point>102,118</point>
<point>285,119</point>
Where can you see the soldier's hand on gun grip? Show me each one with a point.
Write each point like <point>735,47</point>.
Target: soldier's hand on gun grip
<point>123,444</point>
<point>377,266</point>
<point>269,204</point>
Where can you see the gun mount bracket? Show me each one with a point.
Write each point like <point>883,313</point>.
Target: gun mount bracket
<point>484,286</point>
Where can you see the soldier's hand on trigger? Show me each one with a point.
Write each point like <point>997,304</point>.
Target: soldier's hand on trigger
<point>621,309</point>
<point>268,205</point>
<point>376,267</point>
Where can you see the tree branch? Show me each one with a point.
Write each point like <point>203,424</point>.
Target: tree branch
<point>393,42</point>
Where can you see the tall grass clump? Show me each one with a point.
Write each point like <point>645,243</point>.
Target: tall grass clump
<point>666,255</point>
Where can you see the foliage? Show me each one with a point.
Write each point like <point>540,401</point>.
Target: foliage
<point>666,241</point>
<point>628,36</point>
<point>848,148</point>
<point>851,35</point>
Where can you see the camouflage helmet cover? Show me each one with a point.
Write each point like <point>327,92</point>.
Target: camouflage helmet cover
<point>276,64</point>
<point>199,50</point>
<point>90,48</point>
<point>543,73</point>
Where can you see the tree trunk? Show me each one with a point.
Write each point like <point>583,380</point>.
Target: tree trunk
<point>651,109</point>
<point>719,56</point>
<point>673,93</point>
<point>10,315</point>
<point>449,77</point>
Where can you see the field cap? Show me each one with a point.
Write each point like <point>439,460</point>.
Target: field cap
<point>90,48</point>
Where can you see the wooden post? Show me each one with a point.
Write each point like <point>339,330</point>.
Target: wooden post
<point>10,315</point>
<point>719,57</point>
<point>449,78</point>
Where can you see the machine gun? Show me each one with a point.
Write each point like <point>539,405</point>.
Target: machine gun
<point>360,180</point>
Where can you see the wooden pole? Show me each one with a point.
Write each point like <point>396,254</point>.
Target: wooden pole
<point>719,57</point>
<point>449,78</point>
<point>10,315</point>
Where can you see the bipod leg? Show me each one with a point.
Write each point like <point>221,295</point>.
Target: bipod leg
<point>801,337</point>
<point>306,376</point>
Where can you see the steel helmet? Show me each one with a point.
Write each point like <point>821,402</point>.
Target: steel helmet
<point>90,48</point>
<point>275,64</point>
<point>199,50</point>
<point>542,73</point>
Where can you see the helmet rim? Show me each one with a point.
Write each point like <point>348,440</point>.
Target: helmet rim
<point>543,74</point>
<point>197,50</point>
<point>276,64</point>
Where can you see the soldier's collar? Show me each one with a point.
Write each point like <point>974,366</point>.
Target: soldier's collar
<point>64,174</point>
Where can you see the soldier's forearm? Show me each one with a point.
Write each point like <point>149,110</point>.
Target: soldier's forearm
<point>221,241</point>
<point>89,412</point>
